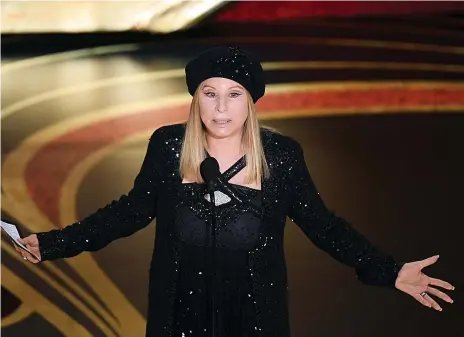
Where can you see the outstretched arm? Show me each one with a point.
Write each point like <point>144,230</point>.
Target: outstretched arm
<point>123,217</point>
<point>333,234</point>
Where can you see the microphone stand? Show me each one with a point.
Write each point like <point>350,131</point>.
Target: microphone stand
<point>211,188</point>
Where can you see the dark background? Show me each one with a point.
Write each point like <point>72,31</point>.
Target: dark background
<point>395,174</point>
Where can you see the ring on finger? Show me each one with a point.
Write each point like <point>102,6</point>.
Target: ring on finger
<point>423,294</point>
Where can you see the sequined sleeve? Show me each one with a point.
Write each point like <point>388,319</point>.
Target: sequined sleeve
<point>120,218</point>
<point>334,234</point>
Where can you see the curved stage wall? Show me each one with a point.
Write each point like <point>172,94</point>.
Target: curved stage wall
<point>377,108</point>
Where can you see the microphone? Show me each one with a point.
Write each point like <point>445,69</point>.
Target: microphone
<point>209,170</point>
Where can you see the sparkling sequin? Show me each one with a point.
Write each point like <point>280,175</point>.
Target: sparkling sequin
<point>238,233</point>
<point>158,193</point>
<point>236,65</point>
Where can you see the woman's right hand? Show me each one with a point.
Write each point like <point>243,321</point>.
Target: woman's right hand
<point>32,243</point>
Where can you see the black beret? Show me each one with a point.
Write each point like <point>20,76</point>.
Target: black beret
<point>233,63</point>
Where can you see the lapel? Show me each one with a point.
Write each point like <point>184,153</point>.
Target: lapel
<point>268,186</point>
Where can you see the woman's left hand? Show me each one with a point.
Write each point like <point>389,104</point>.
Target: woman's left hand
<point>412,281</point>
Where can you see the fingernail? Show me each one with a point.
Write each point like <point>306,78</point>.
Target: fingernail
<point>439,309</point>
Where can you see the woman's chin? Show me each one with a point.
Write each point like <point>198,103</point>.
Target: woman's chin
<point>222,131</point>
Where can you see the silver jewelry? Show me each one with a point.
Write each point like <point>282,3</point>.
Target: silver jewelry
<point>423,294</point>
<point>219,198</point>
<point>24,257</point>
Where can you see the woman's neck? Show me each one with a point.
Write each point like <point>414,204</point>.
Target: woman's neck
<point>230,147</point>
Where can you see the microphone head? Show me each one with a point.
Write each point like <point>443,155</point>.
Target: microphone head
<point>209,169</point>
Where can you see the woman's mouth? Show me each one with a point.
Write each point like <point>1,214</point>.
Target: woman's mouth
<point>221,121</point>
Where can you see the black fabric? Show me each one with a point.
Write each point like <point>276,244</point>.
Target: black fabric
<point>236,236</point>
<point>233,63</point>
<point>253,257</point>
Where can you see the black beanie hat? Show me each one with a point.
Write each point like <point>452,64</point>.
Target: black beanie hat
<point>228,62</point>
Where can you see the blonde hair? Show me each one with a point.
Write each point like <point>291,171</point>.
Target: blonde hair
<point>194,144</point>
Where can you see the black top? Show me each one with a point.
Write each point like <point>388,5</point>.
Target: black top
<point>237,234</point>
<point>250,246</point>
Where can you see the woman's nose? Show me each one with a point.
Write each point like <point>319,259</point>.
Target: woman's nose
<point>222,104</point>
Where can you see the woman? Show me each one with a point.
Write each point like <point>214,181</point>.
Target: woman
<point>264,168</point>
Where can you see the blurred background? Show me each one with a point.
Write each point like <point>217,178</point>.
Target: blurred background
<point>373,91</point>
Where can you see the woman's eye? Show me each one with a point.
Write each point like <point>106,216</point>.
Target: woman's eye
<point>213,94</point>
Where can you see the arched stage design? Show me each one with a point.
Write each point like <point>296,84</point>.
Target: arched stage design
<point>379,116</point>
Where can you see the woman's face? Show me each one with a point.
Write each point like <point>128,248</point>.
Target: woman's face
<point>223,107</point>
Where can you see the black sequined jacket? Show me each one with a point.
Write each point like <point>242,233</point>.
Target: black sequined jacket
<point>289,191</point>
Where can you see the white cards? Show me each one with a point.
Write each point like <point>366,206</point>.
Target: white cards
<point>13,233</point>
